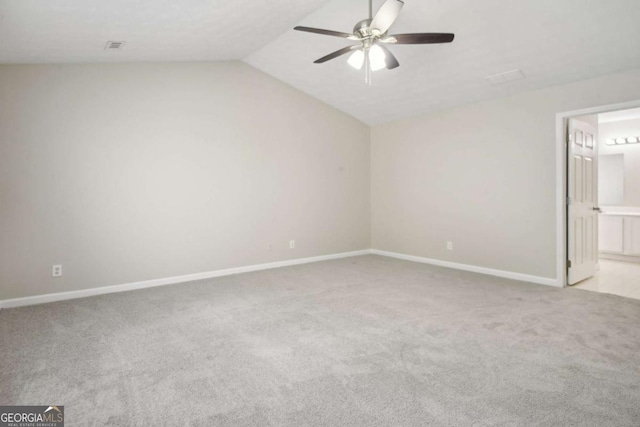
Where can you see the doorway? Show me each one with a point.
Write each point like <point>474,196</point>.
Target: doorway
<point>603,202</point>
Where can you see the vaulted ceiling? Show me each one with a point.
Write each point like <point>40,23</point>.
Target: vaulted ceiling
<point>551,41</point>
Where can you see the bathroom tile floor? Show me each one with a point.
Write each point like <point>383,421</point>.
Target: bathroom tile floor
<point>615,277</point>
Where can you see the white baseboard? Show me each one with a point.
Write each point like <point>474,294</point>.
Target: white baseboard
<point>41,299</point>
<point>61,296</point>
<point>619,257</point>
<point>489,271</point>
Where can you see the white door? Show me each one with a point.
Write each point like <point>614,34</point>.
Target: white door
<point>582,191</point>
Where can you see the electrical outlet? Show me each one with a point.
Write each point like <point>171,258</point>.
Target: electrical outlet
<point>56,271</point>
<point>449,246</point>
<point>292,244</point>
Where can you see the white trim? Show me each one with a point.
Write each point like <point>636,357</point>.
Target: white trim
<point>561,194</point>
<point>483,270</point>
<point>61,296</point>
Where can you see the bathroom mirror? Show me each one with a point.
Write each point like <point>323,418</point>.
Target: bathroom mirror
<point>611,179</point>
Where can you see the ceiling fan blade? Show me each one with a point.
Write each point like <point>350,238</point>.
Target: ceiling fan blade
<point>387,15</point>
<point>324,32</point>
<point>389,59</point>
<point>335,54</point>
<point>419,38</point>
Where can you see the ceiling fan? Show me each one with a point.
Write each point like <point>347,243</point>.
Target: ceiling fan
<point>372,36</point>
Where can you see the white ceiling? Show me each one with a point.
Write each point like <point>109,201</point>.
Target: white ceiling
<point>55,31</point>
<point>617,116</point>
<point>551,41</point>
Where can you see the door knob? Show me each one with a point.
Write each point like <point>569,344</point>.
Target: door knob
<point>597,209</point>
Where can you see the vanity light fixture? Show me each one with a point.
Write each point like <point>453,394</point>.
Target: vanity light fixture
<point>623,141</point>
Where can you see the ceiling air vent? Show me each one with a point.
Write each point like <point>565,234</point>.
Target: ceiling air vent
<point>114,46</point>
<point>502,78</point>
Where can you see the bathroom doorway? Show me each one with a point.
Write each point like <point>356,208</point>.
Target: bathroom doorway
<point>617,211</point>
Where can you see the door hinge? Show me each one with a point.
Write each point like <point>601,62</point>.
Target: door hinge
<point>568,200</point>
<point>568,263</point>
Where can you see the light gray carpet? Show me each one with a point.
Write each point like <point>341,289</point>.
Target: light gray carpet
<point>366,341</point>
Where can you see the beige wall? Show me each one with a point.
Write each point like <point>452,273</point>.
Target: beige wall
<point>124,173</point>
<point>481,176</point>
<point>624,128</point>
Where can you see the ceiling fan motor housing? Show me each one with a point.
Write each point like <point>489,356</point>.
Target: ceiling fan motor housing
<point>363,29</point>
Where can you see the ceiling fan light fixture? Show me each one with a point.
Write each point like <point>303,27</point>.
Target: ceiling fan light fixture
<point>356,60</point>
<point>377,58</point>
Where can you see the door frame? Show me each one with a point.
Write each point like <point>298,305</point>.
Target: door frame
<point>562,230</point>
